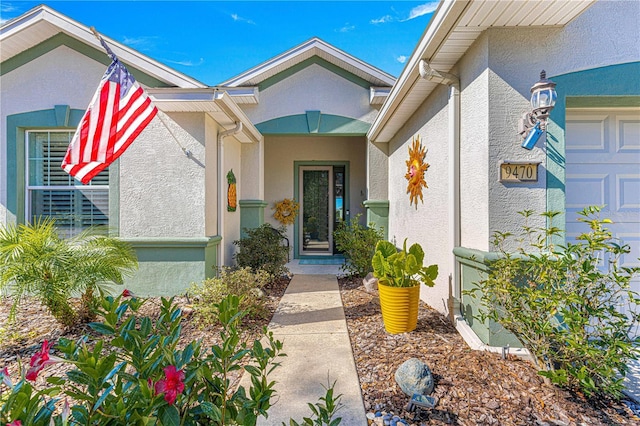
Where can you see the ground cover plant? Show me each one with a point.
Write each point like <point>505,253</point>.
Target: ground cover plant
<point>358,244</point>
<point>242,282</point>
<point>564,303</point>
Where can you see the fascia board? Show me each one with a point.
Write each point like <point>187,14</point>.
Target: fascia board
<point>84,34</point>
<point>444,20</point>
<point>291,54</point>
<point>217,101</point>
<point>236,114</point>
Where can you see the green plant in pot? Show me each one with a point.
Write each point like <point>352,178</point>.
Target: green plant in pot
<point>399,274</point>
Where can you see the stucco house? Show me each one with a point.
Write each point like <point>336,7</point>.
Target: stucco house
<point>293,127</point>
<point>321,126</point>
<point>463,92</point>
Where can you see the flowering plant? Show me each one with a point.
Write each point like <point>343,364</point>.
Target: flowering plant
<point>146,379</point>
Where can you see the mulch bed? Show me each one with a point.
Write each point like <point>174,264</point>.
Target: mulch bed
<point>473,388</point>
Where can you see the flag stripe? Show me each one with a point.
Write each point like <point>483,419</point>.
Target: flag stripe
<point>118,113</point>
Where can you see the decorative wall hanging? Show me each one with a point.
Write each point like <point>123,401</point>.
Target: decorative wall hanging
<point>232,192</point>
<point>415,171</point>
<point>286,211</point>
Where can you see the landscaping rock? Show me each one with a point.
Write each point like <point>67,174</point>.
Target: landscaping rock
<point>414,376</point>
<point>370,283</point>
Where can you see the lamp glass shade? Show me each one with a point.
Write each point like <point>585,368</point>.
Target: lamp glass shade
<point>543,98</point>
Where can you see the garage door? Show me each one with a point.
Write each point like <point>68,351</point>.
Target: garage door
<point>603,168</point>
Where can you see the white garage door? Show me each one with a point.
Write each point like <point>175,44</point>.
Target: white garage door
<point>603,168</point>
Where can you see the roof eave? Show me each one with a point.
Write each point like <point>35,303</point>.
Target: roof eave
<point>84,34</point>
<point>441,24</point>
<point>212,101</point>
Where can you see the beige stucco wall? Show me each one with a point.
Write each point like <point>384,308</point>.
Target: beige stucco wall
<point>211,177</point>
<point>232,150</point>
<point>313,88</point>
<point>282,151</point>
<point>161,189</point>
<point>426,224</point>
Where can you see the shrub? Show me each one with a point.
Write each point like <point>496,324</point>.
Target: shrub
<point>563,304</point>
<point>35,260</point>
<point>262,249</point>
<point>358,243</point>
<point>146,379</point>
<point>241,282</point>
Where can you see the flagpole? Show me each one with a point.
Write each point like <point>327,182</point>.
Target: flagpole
<point>114,57</point>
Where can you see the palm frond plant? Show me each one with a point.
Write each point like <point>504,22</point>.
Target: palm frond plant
<point>35,260</point>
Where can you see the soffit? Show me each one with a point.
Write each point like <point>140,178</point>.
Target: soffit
<point>218,104</point>
<point>307,50</point>
<point>454,28</point>
<point>41,23</point>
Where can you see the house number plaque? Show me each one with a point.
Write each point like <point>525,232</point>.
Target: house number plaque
<point>515,171</point>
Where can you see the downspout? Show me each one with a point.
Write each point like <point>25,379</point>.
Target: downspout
<point>221,188</point>
<point>453,82</point>
<point>454,307</point>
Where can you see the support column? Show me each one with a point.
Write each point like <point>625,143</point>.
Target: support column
<point>378,214</point>
<point>251,214</point>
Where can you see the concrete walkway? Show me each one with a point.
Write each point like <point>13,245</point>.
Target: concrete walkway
<point>311,324</point>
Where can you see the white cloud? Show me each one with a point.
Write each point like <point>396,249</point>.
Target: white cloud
<point>423,9</point>
<point>7,7</point>
<point>402,59</point>
<point>239,18</point>
<point>187,62</point>
<point>140,43</point>
<point>382,20</point>
<point>346,28</point>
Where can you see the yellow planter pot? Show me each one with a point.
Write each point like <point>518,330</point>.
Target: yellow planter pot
<point>399,307</point>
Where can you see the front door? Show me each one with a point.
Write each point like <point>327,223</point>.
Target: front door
<point>316,213</point>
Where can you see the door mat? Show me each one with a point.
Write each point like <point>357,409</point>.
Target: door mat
<point>328,261</point>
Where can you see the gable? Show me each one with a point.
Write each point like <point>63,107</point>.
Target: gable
<point>62,39</point>
<point>313,88</point>
<point>315,60</point>
<point>314,50</point>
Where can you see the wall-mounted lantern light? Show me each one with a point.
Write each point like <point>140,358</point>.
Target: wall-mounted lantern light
<point>534,123</point>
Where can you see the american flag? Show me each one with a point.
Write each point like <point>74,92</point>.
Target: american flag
<point>119,111</point>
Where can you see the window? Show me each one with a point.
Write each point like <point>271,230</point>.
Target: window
<point>51,192</point>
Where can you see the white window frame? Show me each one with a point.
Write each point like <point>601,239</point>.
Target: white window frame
<point>73,186</point>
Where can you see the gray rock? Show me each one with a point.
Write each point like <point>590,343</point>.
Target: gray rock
<point>414,376</point>
<point>370,282</point>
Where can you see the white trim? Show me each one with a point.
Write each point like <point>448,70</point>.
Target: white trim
<point>288,59</point>
<point>30,20</point>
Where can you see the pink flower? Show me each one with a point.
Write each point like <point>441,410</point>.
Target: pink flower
<point>171,385</point>
<point>40,360</point>
<point>15,423</point>
<point>127,293</point>
<point>5,377</point>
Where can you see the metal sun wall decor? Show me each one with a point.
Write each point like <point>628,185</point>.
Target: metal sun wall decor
<point>416,167</point>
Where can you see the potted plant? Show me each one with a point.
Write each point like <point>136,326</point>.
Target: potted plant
<point>399,274</point>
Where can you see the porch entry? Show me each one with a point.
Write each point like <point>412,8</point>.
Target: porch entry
<point>321,195</point>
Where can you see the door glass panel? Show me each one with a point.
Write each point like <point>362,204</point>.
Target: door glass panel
<point>317,210</point>
<point>339,199</point>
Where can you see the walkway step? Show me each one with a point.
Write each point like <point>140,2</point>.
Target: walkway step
<point>311,324</point>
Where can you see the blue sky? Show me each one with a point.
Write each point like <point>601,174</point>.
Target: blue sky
<point>213,41</point>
